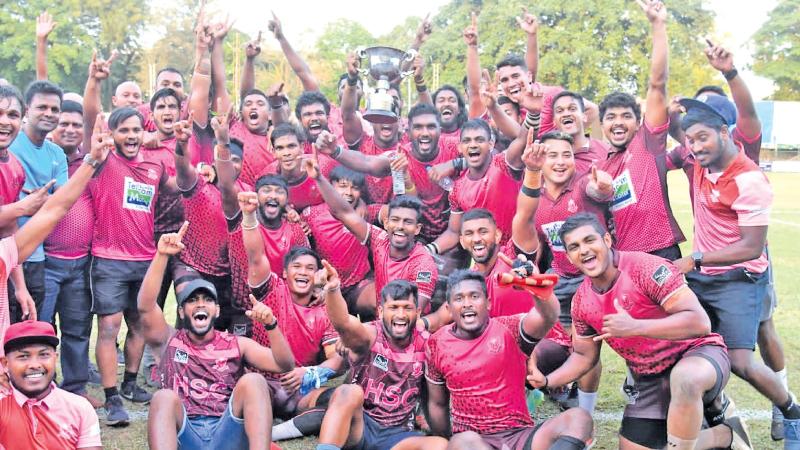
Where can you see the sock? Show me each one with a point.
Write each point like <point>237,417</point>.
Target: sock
<point>129,376</point>
<point>790,410</point>
<point>568,443</point>
<point>675,443</point>
<point>285,430</point>
<point>110,392</point>
<point>327,447</point>
<point>783,377</point>
<point>587,400</point>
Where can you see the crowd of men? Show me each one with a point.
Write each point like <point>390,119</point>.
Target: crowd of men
<point>411,258</point>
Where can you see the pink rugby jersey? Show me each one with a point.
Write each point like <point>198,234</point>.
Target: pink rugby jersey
<point>72,236</point>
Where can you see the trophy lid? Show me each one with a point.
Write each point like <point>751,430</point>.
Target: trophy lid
<point>384,61</point>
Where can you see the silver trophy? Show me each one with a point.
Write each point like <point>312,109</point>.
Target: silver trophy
<point>383,64</point>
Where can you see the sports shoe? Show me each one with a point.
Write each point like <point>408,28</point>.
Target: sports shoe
<point>120,357</point>
<point>94,375</point>
<point>740,439</point>
<point>791,434</point>
<point>133,392</point>
<point>94,401</point>
<point>776,430</point>
<point>116,416</point>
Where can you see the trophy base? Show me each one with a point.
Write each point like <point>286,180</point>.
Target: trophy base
<point>379,116</point>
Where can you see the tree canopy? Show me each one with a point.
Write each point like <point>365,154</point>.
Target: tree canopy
<point>777,55</point>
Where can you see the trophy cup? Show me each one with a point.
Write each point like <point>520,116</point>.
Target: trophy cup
<point>384,66</point>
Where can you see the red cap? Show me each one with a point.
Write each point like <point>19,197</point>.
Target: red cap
<point>29,332</point>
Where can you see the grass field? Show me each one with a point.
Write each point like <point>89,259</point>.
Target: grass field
<point>785,251</point>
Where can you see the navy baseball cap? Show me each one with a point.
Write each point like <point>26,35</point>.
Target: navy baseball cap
<point>194,286</point>
<point>716,104</point>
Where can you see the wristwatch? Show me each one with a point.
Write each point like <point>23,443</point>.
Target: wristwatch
<point>697,257</point>
<point>91,161</point>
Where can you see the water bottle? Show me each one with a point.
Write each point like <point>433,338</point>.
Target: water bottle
<point>534,398</point>
<point>398,179</point>
<point>445,183</point>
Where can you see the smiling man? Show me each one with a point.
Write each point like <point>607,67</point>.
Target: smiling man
<point>453,112</point>
<point>36,414</point>
<point>569,116</point>
<point>251,129</point>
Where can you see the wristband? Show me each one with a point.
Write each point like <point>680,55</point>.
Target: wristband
<point>433,248</point>
<point>533,179</point>
<point>337,153</point>
<point>731,74</point>
<point>546,382</point>
<point>421,88</point>
<point>532,120</point>
<point>459,164</point>
<point>249,221</point>
<point>426,323</point>
<point>271,326</point>
<point>352,81</point>
<point>531,192</point>
<point>276,105</point>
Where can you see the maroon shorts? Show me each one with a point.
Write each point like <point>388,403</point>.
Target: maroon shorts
<point>513,439</point>
<point>284,405</point>
<point>352,292</point>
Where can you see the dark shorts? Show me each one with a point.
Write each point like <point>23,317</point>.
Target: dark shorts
<point>514,439</point>
<point>115,285</point>
<point>378,437</point>
<point>284,405</point>
<point>644,421</point>
<point>202,432</point>
<point>733,301</point>
<point>565,289</point>
<point>352,292</point>
<point>550,355</point>
<point>671,253</point>
<point>770,296</point>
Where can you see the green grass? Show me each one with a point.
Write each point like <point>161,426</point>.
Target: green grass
<point>784,247</point>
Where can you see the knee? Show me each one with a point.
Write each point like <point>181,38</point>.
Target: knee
<point>347,395</point>
<point>741,364</point>
<point>253,382</point>
<point>578,423</point>
<point>108,329</point>
<point>164,399</point>
<point>467,440</point>
<point>684,385</point>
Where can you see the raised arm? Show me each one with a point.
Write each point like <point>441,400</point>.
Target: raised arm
<point>747,121</point>
<point>541,318</point>
<point>155,329</point>
<point>375,165</point>
<point>656,112</point>
<point>523,226</point>
<point>26,206</point>
<point>600,186</point>
<point>470,34</point>
<point>488,97</point>
<point>257,261</point>
<point>185,176</point>
<point>99,70</point>
<point>251,50</point>
<point>439,409</point>
<point>226,173</point>
<point>44,26</point>
<point>296,62</point>
<point>585,354</point>
<point>201,78</point>
<point>353,131</point>
<point>278,357</point>
<point>530,26</point>
<point>423,94</point>
<point>218,78</point>
<point>352,332</point>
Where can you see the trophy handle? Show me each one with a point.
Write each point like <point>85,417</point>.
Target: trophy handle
<point>410,55</point>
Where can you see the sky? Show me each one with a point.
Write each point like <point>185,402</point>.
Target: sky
<point>303,21</point>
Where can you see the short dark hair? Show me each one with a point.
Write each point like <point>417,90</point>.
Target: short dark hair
<point>163,93</point>
<point>71,106</point>
<point>478,213</point>
<point>477,124</point>
<point>169,69</point>
<point>711,88</point>
<point>42,87</point>
<point>272,180</point>
<point>10,91</point>
<point>462,107</point>
<point>120,115</point>
<point>420,109</point>
<point>578,98</point>
<point>462,275</point>
<point>504,100</point>
<point>409,202</point>
<point>286,129</point>
<point>512,61</point>
<point>344,173</point>
<point>400,289</point>
<point>620,100</point>
<point>345,76</point>
<point>298,251</point>
<point>701,116</point>
<point>309,98</point>
<point>250,92</point>
<point>578,220</point>
<point>555,135</point>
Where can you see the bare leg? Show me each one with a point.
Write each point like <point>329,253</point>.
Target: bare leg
<point>575,423</point>
<point>690,379</point>
<point>251,401</point>
<point>343,424</point>
<point>134,342</point>
<point>468,440</point>
<point>164,420</point>
<point>770,346</point>
<point>106,349</point>
<point>422,443</point>
<point>761,377</point>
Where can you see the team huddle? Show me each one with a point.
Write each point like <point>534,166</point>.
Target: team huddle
<point>449,265</point>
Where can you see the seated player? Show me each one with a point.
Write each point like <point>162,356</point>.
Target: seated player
<point>642,307</point>
<point>35,413</point>
<point>375,409</point>
<point>475,370</point>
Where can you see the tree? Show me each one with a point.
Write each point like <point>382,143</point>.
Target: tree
<point>777,54</point>
<point>339,38</point>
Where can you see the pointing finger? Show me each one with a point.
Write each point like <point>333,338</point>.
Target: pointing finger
<point>113,56</point>
<point>258,39</point>
<point>505,258</point>
<point>474,19</point>
<point>49,185</point>
<point>94,56</point>
<point>618,306</point>
<point>182,231</point>
<point>642,4</point>
<point>253,300</point>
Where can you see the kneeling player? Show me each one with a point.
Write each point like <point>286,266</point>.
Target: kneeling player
<point>641,306</point>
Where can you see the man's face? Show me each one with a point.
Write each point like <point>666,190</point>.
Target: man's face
<point>299,274</point>
<point>399,317</point>
<point>128,137</point>
<point>127,94</point>
<point>567,116</point>
<point>359,90</point>
<point>349,191</point>
<point>69,132</point>
<point>424,133</point>
<point>255,113</point>
<point>480,238</point>
<point>386,134</point>
<point>510,111</point>
<point>171,80</point>
<point>476,147</point>
<point>447,105</point>
<point>588,250</point>
<point>43,112</point>
<point>237,165</point>
<point>706,143</point>
<point>10,120</point>
<point>403,227</point>
<point>198,313</point>
<point>469,306</point>
<point>619,126</point>
<point>272,200</point>
<point>513,79</point>
<point>31,368</point>
<point>166,112</point>
<point>288,152</point>
<point>314,119</point>
<point>559,162</point>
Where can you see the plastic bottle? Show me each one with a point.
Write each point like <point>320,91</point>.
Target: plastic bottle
<point>445,183</point>
<point>398,179</point>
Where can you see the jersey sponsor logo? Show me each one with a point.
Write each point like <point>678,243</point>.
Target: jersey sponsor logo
<point>494,345</point>
<point>624,193</point>
<point>181,357</point>
<point>551,231</point>
<point>416,369</point>
<point>137,196</point>
<point>381,362</point>
<point>239,329</point>
<point>661,275</point>
<point>424,277</point>
<point>572,206</point>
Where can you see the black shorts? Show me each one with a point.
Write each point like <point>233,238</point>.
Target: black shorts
<point>565,289</point>
<point>378,437</point>
<point>115,285</point>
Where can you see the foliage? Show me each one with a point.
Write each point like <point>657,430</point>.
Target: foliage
<point>777,55</point>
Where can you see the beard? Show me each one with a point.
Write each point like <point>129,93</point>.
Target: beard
<point>186,323</point>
